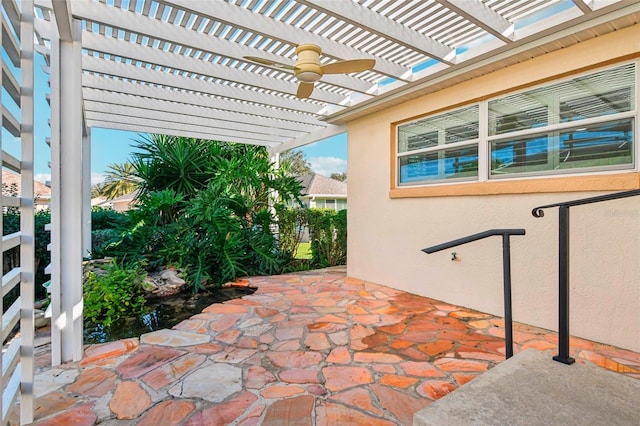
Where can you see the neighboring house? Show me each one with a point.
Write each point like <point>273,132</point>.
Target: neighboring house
<point>121,203</point>
<point>323,193</point>
<point>11,185</point>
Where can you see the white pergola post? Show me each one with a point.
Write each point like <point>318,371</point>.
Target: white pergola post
<point>67,191</point>
<point>27,220</point>
<point>86,193</point>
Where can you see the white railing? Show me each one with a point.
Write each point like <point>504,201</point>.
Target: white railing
<point>17,320</point>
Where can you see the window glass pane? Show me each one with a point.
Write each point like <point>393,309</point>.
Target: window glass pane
<point>454,126</point>
<point>342,204</point>
<point>596,105</point>
<point>597,145</point>
<point>444,164</point>
<point>595,95</point>
<point>319,204</point>
<point>523,155</point>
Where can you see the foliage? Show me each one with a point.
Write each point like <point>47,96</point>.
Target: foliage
<point>11,224</point>
<point>152,224</point>
<point>205,207</point>
<point>296,162</point>
<point>119,180</point>
<point>106,218</point>
<point>303,251</point>
<point>96,190</point>
<point>172,163</point>
<point>114,295</point>
<point>226,228</point>
<point>328,235</point>
<point>291,222</point>
<point>342,177</point>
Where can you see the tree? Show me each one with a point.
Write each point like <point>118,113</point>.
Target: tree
<point>342,177</point>
<point>296,162</point>
<point>120,180</point>
<point>97,190</point>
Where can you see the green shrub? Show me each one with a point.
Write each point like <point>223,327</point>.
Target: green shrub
<point>328,236</point>
<point>152,226</point>
<point>291,223</point>
<point>116,294</point>
<point>106,218</point>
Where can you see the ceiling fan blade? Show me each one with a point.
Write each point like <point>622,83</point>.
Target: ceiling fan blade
<point>304,90</point>
<point>268,62</point>
<point>346,67</point>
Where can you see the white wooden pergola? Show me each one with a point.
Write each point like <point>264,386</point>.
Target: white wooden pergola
<point>178,67</point>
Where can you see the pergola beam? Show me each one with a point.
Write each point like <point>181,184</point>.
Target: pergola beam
<point>143,128</point>
<point>241,17</point>
<point>154,28</point>
<point>149,75</point>
<point>582,6</point>
<point>186,99</point>
<point>64,19</point>
<point>101,101</point>
<point>367,19</point>
<point>483,17</point>
<point>100,109</point>
<point>136,52</point>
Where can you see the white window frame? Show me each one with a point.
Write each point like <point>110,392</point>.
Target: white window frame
<point>484,142</point>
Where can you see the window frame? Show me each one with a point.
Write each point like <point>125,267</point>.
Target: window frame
<point>485,141</point>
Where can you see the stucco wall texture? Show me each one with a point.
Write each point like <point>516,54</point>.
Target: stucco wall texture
<point>386,235</point>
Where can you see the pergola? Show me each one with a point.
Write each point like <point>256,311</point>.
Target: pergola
<point>178,67</point>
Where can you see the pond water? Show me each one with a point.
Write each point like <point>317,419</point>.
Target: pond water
<point>165,313</point>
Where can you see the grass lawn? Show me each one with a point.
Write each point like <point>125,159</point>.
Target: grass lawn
<point>303,251</point>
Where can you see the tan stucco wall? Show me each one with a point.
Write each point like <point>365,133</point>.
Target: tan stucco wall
<point>386,235</point>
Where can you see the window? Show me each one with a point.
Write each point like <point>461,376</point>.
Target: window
<point>441,147</point>
<point>583,124</point>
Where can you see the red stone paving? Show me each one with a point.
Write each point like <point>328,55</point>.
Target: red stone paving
<point>315,348</point>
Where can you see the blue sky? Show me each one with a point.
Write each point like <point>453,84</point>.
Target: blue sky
<point>114,146</point>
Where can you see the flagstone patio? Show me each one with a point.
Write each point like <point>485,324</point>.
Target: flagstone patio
<point>313,348</point>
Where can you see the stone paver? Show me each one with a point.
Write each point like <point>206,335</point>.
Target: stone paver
<point>174,338</point>
<point>211,381</point>
<point>129,400</point>
<point>314,348</point>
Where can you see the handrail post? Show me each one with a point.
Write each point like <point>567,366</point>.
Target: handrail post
<point>506,272</point>
<point>563,287</point>
<point>563,263</point>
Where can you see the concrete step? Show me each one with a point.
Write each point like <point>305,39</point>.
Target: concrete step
<point>531,389</point>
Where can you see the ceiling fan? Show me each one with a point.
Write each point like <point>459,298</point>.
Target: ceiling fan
<point>308,68</point>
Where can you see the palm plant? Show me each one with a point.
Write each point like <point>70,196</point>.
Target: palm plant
<point>170,162</point>
<point>120,180</point>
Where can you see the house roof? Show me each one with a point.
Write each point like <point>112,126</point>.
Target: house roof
<point>179,67</point>
<point>40,190</point>
<point>126,198</point>
<point>315,184</point>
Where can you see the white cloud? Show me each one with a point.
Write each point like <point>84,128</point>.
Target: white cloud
<point>326,165</point>
<point>42,177</point>
<point>97,178</point>
<point>46,177</point>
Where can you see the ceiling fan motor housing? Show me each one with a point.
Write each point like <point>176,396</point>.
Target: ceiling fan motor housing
<point>308,69</point>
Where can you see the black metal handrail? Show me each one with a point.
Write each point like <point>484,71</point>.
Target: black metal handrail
<point>563,263</point>
<point>506,272</point>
